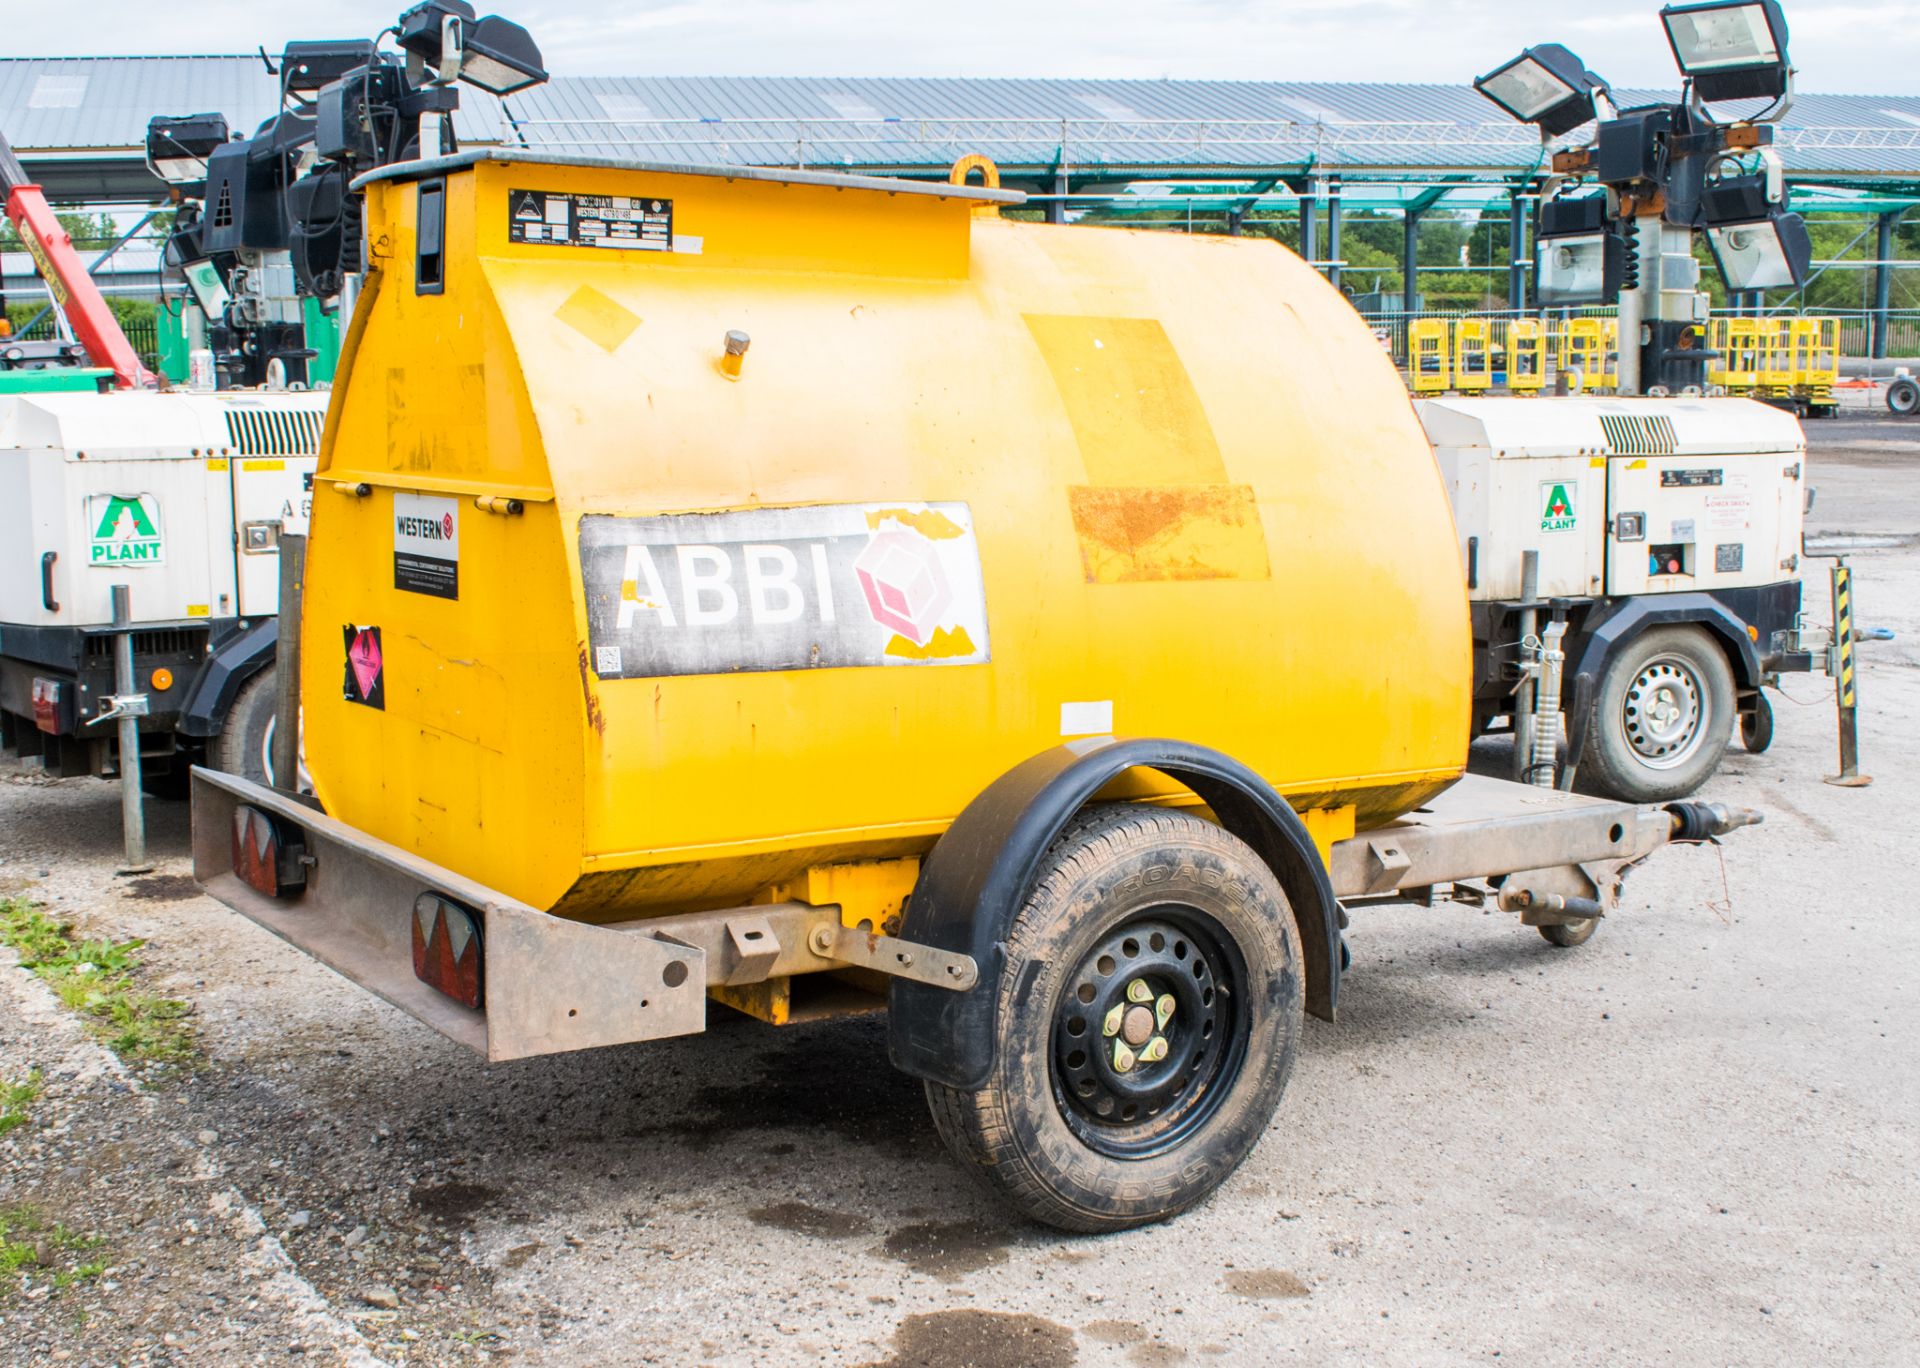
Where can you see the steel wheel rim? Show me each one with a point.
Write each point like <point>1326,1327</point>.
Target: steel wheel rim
<point>1665,712</point>
<point>1154,1103</point>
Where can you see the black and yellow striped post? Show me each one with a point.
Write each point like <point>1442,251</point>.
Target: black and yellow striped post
<point>1846,689</point>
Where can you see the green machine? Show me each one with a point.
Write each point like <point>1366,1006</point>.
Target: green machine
<point>180,320</point>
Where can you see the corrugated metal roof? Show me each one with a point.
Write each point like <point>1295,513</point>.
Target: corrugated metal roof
<point>54,106</point>
<point>1121,127</point>
<point>66,104</point>
<point>133,269</point>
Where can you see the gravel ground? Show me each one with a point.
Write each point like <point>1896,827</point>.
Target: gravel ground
<point>1694,1140</point>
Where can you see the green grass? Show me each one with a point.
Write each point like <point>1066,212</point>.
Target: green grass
<point>15,1098</point>
<point>97,979</point>
<point>29,1244</point>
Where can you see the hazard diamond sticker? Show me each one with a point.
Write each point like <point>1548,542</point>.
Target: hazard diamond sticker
<point>366,668</point>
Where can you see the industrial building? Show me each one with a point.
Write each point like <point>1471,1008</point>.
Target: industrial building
<point>1306,152</point>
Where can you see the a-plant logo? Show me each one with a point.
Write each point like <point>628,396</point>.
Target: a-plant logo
<point>1556,506</point>
<point>126,530</point>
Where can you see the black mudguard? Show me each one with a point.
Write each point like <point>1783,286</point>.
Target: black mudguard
<point>982,871</point>
<point>230,665</point>
<point>1625,618</point>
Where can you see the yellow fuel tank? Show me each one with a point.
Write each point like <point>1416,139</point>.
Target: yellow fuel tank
<point>679,531</point>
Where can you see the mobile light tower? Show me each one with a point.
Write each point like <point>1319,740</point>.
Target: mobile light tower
<point>1618,216</point>
<point>273,220</point>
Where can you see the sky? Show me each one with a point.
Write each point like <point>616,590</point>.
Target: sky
<point>1839,47</point>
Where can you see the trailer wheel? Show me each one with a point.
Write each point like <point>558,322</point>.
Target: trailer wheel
<point>1150,1010</point>
<point>241,746</point>
<point>1662,716</point>
<point>1903,396</point>
<point>1566,935</point>
<point>1756,727</point>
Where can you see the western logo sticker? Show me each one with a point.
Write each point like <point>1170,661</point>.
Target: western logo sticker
<point>820,587</point>
<point>123,530</point>
<point>1556,506</point>
<point>426,545</point>
<point>366,680</point>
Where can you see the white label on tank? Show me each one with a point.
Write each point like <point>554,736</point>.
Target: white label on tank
<point>426,545</point>
<point>1087,719</point>
<point>817,587</point>
<point>1730,509</point>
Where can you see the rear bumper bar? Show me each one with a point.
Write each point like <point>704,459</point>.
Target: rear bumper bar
<point>551,984</point>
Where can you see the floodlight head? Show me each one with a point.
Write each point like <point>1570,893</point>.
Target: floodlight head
<point>495,54</point>
<point>305,67</point>
<point>1772,253</point>
<point>423,29</point>
<point>1578,258</point>
<point>178,147</point>
<point>1730,49</point>
<point>501,57</point>
<point>1545,85</point>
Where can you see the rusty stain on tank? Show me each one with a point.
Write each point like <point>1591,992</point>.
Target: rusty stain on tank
<point>1168,532</point>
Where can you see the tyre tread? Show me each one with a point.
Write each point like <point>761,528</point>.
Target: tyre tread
<point>978,1127</point>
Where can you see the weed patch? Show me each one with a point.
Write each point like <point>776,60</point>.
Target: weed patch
<point>32,1247</point>
<point>97,979</point>
<point>15,1098</point>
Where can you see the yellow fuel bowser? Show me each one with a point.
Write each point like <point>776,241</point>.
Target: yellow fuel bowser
<point>805,592</point>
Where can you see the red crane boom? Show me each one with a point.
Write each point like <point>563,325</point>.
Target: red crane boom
<point>66,275</point>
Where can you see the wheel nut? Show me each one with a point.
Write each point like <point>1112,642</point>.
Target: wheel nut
<point>1123,1057</point>
<point>1111,1027</point>
<point>1163,1010</point>
<point>1137,991</point>
<point>1156,1050</point>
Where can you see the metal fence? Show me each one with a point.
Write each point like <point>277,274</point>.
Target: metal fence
<point>1392,328</point>
<point>1856,326</point>
<point>143,333</point>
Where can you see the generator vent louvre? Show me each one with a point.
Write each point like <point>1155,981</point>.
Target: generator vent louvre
<point>1638,434</point>
<point>160,641</point>
<point>274,432</point>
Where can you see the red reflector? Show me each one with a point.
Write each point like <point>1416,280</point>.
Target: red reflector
<point>46,704</point>
<point>262,858</point>
<point>446,948</point>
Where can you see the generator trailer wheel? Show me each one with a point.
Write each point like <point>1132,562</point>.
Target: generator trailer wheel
<point>241,746</point>
<point>1149,1013</point>
<point>1903,396</point>
<point>1662,716</point>
<point>1756,727</point>
<point>1566,935</point>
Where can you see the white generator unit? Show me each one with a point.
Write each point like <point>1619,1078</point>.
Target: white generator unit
<point>182,497</point>
<point>1665,535</point>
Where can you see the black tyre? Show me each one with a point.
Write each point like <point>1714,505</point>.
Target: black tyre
<point>1756,727</point>
<point>1661,718</point>
<point>241,746</point>
<point>1144,1059</point>
<point>1903,396</point>
<point>1566,935</point>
